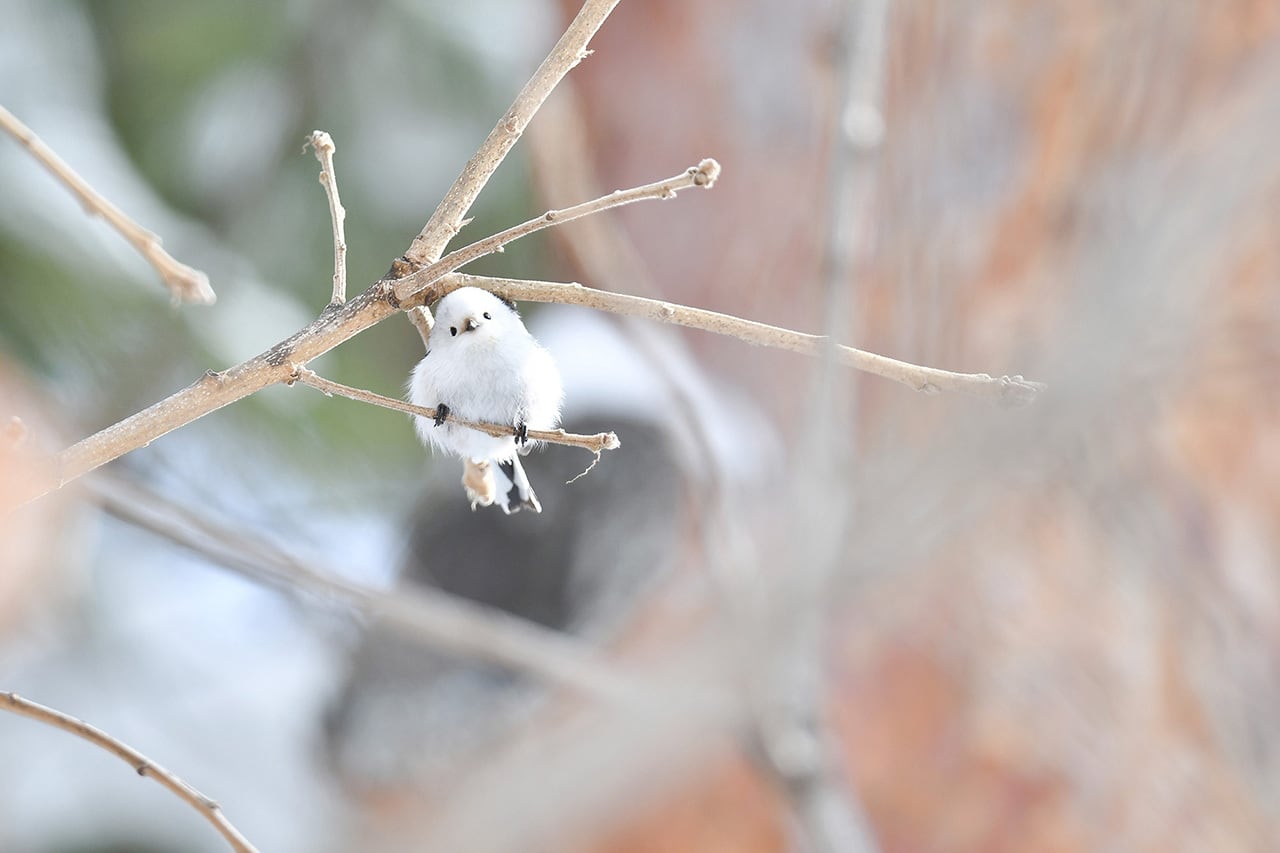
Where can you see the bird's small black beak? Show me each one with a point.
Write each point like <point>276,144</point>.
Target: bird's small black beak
<point>470,324</point>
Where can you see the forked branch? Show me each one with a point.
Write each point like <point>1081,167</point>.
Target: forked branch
<point>446,221</point>
<point>702,175</point>
<point>448,217</point>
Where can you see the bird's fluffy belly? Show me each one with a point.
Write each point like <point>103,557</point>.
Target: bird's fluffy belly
<point>466,442</point>
<point>489,389</point>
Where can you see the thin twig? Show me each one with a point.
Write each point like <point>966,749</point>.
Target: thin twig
<point>184,282</point>
<point>702,175</point>
<point>571,49</point>
<point>323,145</point>
<point>930,380</point>
<point>430,615</point>
<point>594,443</point>
<point>140,763</point>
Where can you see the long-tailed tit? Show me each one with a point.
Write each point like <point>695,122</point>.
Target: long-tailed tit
<point>483,365</point>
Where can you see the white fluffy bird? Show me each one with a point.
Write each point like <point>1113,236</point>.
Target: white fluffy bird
<point>483,365</point>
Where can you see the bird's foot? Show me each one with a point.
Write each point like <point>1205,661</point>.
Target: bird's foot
<point>522,434</point>
<point>442,412</point>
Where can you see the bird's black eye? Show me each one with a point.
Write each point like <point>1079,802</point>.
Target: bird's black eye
<point>486,316</point>
<point>453,330</point>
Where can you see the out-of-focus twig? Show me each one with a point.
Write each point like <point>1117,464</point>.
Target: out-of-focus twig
<point>429,615</point>
<point>144,766</point>
<point>184,282</point>
<point>14,432</point>
<point>561,150</point>
<point>322,144</point>
<point>798,746</point>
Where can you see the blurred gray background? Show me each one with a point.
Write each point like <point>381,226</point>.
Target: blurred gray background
<point>1045,628</point>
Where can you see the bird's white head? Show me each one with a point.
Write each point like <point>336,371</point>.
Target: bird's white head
<point>469,315</point>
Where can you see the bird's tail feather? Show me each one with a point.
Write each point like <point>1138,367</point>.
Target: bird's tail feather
<point>513,490</point>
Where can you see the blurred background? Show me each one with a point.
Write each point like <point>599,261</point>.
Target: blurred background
<point>859,617</point>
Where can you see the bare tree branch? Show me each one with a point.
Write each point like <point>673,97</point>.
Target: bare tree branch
<point>930,380</point>
<point>340,322</point>
<point>702,175</point>
<point>594,443</point>
<point>323,145</point>
<point>184,282</point>
<point>215,390</point>
<point>446,221</point>
<point>337,324</point>
<point>144,766</point>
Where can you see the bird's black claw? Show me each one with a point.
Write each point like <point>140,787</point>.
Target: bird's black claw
<point>522,433</point>
<point>442,412</point>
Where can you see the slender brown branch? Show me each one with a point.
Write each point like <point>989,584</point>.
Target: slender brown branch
<point>930,380</point>
<point>595,443</point>
<point>184,282</point>
<point>323,145</point>
<point>446,221</point>
<point>702,175</point>
<point>140,763</point>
